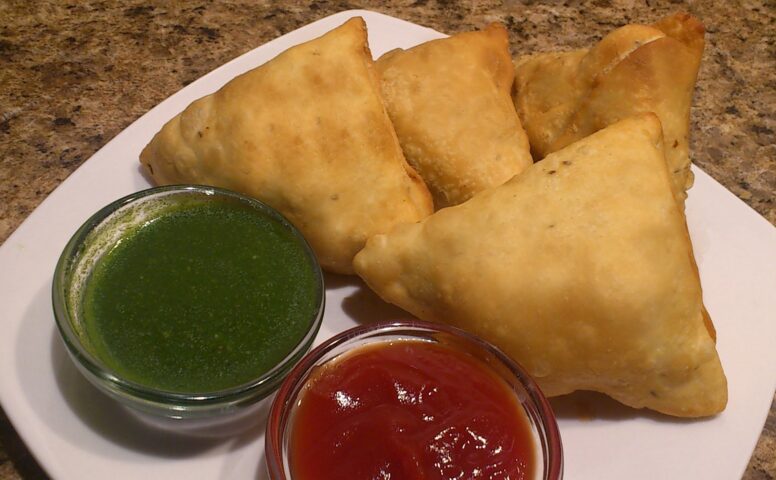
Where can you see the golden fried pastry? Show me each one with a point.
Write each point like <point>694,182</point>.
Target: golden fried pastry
<point>563,97</point>
<point>580,268</point>
<point>308,134</point>
<point>450,103</point>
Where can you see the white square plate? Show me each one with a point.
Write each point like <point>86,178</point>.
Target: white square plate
<point>76,433</point>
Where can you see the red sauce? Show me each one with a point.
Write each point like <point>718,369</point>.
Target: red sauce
<point>409,410</point>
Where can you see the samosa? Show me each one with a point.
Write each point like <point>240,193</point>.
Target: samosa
<point>308,134</point>
<point>563,97</point>
<point>580,268</point>
<point>449,100</point>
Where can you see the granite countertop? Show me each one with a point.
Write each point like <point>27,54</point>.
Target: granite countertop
<point>76,73</point>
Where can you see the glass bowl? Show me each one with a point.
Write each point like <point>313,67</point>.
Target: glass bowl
<point>544,429</point>
<point>211,412</point>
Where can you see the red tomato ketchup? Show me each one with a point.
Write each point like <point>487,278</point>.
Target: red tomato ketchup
<point>409,410</point>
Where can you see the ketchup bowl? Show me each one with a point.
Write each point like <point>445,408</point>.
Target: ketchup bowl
<point>410,399</point>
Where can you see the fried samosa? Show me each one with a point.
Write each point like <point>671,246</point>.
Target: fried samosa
<point>308,134</point>
<point>580,268</point>
<point>450,103</point>
<point>563,97</point>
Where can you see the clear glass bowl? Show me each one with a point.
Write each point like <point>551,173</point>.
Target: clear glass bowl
<point>208,412</point>
<point>536,407</point>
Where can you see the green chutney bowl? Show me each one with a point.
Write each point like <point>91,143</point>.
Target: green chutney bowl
<point>189,305</point>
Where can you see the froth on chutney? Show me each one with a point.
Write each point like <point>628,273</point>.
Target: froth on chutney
<point>206,295</point>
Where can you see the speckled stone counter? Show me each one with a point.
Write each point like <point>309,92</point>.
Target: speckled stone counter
<point>74,74</point>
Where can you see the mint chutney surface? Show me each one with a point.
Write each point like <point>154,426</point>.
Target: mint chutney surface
<point>207,296</point>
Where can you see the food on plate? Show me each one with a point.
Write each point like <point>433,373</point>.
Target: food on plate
<point>580,268</point>
<point>194,291</point>
<point>450,103</point>
<point>308,134</point>
<point>410,409</point>
<point>563,97</point>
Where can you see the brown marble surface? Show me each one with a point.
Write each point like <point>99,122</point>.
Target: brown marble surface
<point>73,74</point>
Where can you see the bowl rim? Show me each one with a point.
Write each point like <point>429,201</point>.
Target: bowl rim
<point>287,394</point>
<point>245,393</point>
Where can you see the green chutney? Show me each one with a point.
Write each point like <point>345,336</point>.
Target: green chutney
<point>207,296</point>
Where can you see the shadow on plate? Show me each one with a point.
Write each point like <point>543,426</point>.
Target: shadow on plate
<point>365,307</point>
<point>335,281</point>
<point>144,176</point>
<point>594,406</point>
<point>261,472</point>
<point>50,395</point>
